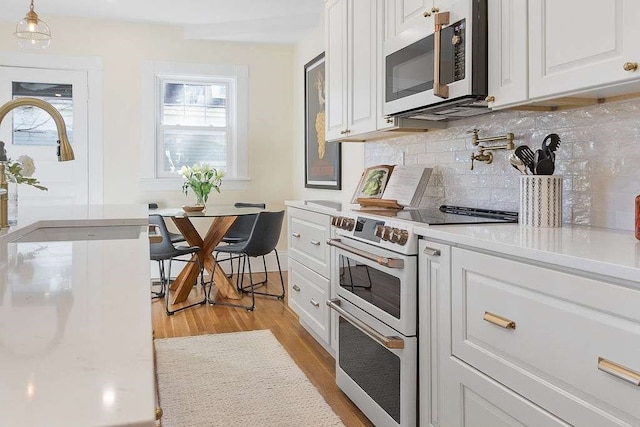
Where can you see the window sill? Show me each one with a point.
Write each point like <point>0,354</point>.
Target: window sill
<point>169,184</point>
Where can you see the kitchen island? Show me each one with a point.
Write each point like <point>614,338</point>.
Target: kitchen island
<point>75,319</point>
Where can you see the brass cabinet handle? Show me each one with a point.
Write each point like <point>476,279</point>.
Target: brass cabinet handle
<point>439,89</point>
<point>315,242</point>
<point>619,371</point>
<point>296,288</point>
<point>499,320</point>
<point>389,119</point>
<point>314,303</point>
<point>296,235</point>
<point>431,251</point>
<point>343,132</point>
<point>490,98</point>
<point>159,414</point>
<point>630,66</point>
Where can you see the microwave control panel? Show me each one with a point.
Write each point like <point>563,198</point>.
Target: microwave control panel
<point>453,41</point>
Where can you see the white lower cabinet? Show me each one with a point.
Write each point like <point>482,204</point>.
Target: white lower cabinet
<point>309,271</point>
<point>308,292</point>
<point>511,343</point>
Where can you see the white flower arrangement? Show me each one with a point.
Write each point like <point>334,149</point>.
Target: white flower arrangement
<point>201,179</point>
<point>21,172</point>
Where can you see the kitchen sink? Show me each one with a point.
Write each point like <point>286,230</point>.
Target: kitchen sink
<point>57,234</point>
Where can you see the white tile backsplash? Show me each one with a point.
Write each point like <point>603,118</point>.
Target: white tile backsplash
<point>599,157</point>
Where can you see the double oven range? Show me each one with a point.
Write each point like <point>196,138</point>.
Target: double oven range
<point>375,273</point>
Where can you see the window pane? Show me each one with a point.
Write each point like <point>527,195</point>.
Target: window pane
<point>194,104</point>
<point>34,126</point>
<point>185,148</point>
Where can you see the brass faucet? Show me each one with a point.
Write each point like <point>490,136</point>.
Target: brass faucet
<point>488,157</point>
<point>65,152</point>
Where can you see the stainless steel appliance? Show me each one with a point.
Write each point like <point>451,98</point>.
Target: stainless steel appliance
<point>374,269</point>
<point>439,72</point>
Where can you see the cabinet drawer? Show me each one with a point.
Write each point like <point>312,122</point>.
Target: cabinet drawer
<point>472,399</point>
<point>308,293</point>
<point>563,324</point>
<point>308,234</point>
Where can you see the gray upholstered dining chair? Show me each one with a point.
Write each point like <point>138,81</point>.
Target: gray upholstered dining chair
<point>262,240</point>
<point>167,251</point>
<point>240,231</point>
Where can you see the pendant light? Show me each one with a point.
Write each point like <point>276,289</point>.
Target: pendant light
<point>32,32</point>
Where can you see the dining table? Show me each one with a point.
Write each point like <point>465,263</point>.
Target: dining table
<point>222,218</point>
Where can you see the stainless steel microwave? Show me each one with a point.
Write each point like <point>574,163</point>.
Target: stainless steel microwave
<point>438,71</point>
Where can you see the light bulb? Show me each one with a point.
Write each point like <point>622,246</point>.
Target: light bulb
<point>32,26</point>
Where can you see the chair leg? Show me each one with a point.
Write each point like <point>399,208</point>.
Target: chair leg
<point>160,294</point>
<point>254,285</point>
<point>166,296</point>
<point>228,304</point>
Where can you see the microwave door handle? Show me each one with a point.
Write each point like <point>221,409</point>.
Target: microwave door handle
<point>388,342</point>
<point>439,89</point>
<point>383,261</point>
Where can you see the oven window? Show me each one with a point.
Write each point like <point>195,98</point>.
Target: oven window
<point>372,285</point>
<point>374,368</point>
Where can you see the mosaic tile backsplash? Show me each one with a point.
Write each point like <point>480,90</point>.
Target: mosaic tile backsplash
<point>599,159</point>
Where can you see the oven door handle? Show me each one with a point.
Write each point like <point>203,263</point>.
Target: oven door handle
<point>384,261</point>
<point>388,342</point>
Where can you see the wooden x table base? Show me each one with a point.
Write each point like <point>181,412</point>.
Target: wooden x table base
<point>189,275</point>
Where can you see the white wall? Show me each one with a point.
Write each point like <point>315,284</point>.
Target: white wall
<point>123,48</point>
<point>352,154</point>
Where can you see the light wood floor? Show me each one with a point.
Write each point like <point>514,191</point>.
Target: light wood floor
<point>315,362</point>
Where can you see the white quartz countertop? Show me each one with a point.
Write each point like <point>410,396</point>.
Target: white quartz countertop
<point>328,207</point>
<point>75,320</point>
<point>596,250</point>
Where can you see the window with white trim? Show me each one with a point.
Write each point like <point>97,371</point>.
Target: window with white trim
<point>198,115</point>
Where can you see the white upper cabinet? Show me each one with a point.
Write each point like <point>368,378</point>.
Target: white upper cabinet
<point>351,65</point>
<point>508,61</point>
<point>336,69</point>
<point>576,45</point>
<point>405,14</point>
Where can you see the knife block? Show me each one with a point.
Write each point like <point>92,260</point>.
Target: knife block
<point>541,201</point>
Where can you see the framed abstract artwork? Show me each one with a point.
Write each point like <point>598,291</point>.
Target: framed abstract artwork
<point>322,159</point>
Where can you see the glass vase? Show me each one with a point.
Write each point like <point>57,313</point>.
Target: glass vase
<point>12,203</point>
<point>200,201</point>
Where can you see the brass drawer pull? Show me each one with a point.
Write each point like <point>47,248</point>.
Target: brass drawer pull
<point>619,371</point>
<point>431,252</point>
<point>296,235</point>
<point>315,242</point>
<point>296,288</point>
<point>499,320</point>
<point>159,414</point>
<point>630,66</point>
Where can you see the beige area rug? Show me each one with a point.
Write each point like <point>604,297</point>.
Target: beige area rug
<point>238,379</point>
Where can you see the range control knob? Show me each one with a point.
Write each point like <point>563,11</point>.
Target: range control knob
<point>395,235</point>
<point>386,233</point>
<point>404,237</point>
<point>351,223</point>
<point>379,231</point>
<point>334,221</point>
